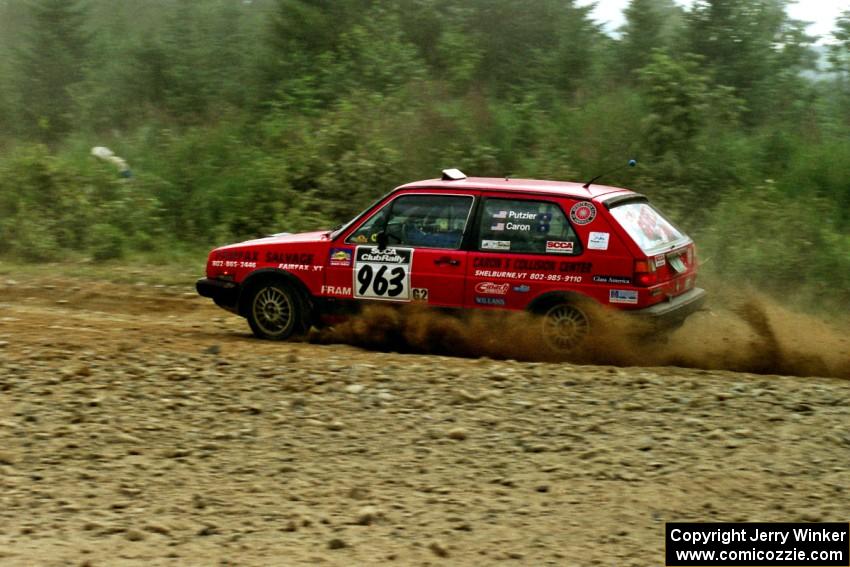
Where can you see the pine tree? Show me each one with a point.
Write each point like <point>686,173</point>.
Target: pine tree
<point>650,24</point>
<point>49,65</point>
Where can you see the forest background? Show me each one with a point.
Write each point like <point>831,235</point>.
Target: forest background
<point>240,118</point>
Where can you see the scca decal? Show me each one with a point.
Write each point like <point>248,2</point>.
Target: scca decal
<point>558,247</point>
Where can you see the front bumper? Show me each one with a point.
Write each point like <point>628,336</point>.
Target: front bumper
<point>224,293</point>
<point>676,310</point>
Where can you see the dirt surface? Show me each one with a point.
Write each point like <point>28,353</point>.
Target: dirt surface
<point>140,425</point>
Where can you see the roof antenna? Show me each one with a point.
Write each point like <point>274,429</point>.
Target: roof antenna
<point>631,163</point>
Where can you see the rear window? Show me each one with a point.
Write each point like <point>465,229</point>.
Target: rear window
<point>647,227</point>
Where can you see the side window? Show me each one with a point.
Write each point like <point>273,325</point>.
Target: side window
<point>433,221</point>
<point>368,231</point>
<point>530,227</point>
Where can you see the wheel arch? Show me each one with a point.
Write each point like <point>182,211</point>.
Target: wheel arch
<point>544,301</point>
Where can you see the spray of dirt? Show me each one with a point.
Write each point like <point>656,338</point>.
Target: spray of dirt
<point>751,333</point>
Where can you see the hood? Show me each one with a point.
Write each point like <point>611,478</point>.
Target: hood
<point>281,238</point>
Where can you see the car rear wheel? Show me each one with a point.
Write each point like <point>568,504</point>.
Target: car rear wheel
<point>274,311</point>
<point>565,326</point>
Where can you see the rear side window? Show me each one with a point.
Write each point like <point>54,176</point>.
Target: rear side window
<point>646,226</point>
<point>530,227</point>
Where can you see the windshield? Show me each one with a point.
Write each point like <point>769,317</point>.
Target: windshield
<point>647,227</point>
<point>339,229</point>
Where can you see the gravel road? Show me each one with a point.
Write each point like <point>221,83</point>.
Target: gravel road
<point>140,425</point>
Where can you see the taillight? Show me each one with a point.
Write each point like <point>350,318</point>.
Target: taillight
<point>645,274</point>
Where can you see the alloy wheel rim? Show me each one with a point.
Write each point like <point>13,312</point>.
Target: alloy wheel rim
<point>564,326</point>
<point>272,311</point>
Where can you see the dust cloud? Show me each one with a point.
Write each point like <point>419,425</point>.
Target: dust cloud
<point>749,333</point>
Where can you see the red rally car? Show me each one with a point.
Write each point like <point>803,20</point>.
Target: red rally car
<point>469,243</point>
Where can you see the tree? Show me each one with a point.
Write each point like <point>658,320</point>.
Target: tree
<point>49,64</point>
<point>839,52</point>
<point>650,24</point>
<point>751,46</point>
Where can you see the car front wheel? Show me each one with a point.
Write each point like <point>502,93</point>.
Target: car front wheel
<point>274,311</point>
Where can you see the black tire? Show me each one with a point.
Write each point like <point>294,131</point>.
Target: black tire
<point>565,326</point>
<point>274,311</point>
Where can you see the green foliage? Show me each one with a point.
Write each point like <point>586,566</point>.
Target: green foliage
<point>49,66</point>
<point>241,119</point>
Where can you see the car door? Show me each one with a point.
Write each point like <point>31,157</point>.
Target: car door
<point>524,246</point>
<point>422,260</point>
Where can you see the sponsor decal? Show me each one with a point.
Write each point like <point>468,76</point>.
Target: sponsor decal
<point>542,265</point>
<point>598,241</point>
<point>490,288</point>
<point>420,294</point>
<point>583,213</point>
<point>489,300</point>
<point>660,261</point>
<point>495,244</point>
<point>288,258</point>
<point>340,257</point>
<point>499,226</point>
<point>382,274</point>
<point>487,262</point>
<point>522,288</point>
<point>559,247</point>
<point>336,290</point>
<point>575,267</point>
<point>613,279</point>
<point>623,296</point>
<point>245,255</point>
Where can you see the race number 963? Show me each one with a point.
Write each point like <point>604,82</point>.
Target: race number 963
<point>382,274</point>
<point>376,281</point>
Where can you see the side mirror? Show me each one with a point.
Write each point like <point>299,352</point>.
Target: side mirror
<point>383,240</point>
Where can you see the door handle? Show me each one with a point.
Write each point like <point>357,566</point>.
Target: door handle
<point>447,260</point>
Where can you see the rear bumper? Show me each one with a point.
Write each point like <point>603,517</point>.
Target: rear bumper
<point>224,293</point>
<point>676,310</point>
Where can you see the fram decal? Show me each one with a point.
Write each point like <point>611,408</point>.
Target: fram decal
<point>336,290</point>
<point>583,212</point>
<point>558,247</point>
<point>598,241</point>
<point>623,296</point>
<point>340,256</point>
<point>490,288</point>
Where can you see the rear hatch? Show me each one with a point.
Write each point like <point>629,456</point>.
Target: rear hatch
<point>668,261</point>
